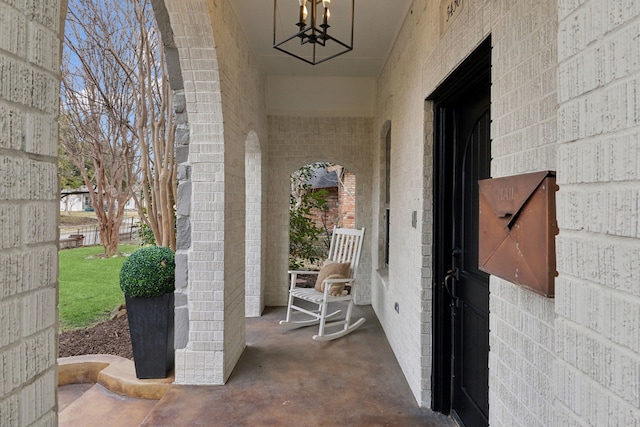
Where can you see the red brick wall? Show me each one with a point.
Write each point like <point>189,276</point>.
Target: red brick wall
<point>347,200</point>
<point>341,205</point>
<point>329,216</point>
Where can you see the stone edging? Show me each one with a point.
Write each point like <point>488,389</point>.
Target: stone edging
<point>115,373</point>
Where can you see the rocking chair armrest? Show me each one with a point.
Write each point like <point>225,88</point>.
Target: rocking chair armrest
<point>294,275</point>
<point>345,280</point>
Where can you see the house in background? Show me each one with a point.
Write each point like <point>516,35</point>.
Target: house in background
<point>75,200</point>
<point>78,200</point>
<point>340,186</point>
<point>435,96</point>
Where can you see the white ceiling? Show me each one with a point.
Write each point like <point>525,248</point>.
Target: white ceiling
<point>376,27</point>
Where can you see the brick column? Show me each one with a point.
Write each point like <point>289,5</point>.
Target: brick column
<point>29,209</point>
<point>597,374</point>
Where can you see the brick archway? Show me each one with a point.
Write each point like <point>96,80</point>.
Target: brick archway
<point>343,141</point>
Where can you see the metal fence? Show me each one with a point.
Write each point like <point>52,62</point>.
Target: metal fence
<point>91,234</point>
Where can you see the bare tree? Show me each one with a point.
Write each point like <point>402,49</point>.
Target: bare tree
<point>116,114</point>
<point>96,109</point>
<point>155,129</point>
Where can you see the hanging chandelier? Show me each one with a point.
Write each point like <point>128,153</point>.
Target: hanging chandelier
<point>315,40</point>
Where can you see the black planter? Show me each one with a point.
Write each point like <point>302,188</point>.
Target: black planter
<point>151,328</point>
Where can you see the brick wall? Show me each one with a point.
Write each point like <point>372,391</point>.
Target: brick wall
<point>341,205</point>
<point>347,200</point>
<point>327,217</point>
<point>523,131</point>
<point>597,374</point>
<point>298,141</point>
<point>565,77</point>
<point>564,84</point>
<point>29,94</point>
<point>254,299</point>
<point>210,301</point>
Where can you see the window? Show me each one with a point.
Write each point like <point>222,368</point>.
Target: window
<point>387,197</point>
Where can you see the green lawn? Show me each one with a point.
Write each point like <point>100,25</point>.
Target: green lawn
<point>89,287</point>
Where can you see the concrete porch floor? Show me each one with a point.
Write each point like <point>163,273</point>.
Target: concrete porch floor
<point>283,378</point>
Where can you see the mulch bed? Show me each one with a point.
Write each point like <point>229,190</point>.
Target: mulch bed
<point>108,337</point>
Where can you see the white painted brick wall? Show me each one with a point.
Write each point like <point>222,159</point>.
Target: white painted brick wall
<point>598,293</point>
<point>524,114</point>
<point>524,110</point>
<point>254,299</point>
<point>298,141</point>
<point>213,299</point>
<point>29,93</point>
<point>408,283</point>
<point>590,341</point>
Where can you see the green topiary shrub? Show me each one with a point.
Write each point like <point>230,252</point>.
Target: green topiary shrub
<point>148,272</point>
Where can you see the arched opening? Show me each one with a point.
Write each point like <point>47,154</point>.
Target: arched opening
<point>31,48</point>
<point>323,196</point>
<point>176,99</point>
<point>210,204</point>
<point>117,130</point>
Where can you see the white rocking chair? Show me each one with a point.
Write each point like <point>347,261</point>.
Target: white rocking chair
<point>346,245</point>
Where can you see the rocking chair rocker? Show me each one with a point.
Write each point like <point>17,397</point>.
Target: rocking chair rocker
<point>346,245</point>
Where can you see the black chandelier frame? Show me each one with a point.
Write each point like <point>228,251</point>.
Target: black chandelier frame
<point>312,33</point>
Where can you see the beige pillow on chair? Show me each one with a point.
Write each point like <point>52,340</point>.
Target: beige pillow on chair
<point>332,270</point>
<point>336,289</point>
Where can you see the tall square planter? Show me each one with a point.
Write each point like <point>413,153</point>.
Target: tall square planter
<point>151,328</point>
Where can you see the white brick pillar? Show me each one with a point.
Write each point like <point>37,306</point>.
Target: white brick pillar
<point>254,299</point>
<point>29,194</point>
<point>597,372</point>
<point>213,128</point>
<point>200,254</point>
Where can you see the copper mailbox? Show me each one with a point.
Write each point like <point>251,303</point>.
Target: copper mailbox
<point>518,228</point>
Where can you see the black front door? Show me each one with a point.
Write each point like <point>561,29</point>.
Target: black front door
<point>461,290</point>
<point>469,286</point>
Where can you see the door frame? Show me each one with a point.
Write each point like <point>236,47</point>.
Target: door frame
<point>472,70</point>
